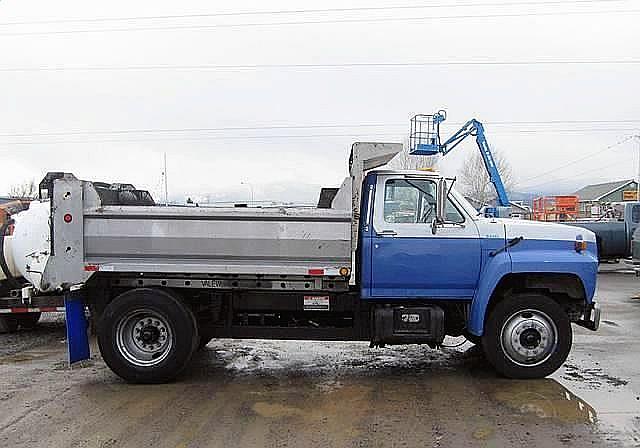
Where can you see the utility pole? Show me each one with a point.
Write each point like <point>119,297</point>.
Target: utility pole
<point>166,184</point>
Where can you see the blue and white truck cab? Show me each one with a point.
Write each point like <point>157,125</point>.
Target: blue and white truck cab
<point>518,283</point>
<point>399,258</point>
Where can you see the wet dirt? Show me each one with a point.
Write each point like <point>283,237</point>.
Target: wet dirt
<point>49,331</point>
<point>321,394</point>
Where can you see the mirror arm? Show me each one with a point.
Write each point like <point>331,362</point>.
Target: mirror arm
<point>435,223</point>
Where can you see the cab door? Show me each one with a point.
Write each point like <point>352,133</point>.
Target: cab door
<point>407,258</point>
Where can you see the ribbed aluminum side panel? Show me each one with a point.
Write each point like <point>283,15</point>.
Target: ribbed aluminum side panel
<point>180,239</point>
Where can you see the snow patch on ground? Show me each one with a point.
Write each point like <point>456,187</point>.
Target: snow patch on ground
<point>250,356</point>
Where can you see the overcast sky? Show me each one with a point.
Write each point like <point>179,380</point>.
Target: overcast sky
<point>83,113</point>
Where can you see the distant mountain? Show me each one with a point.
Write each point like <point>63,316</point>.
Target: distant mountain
<point>281,193</point>
<point>528,194</point>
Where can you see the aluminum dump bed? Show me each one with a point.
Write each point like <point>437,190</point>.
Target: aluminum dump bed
<point>282,241</point>
<point>84,236</point>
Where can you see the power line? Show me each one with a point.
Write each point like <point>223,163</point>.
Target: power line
<point>322,22</point>
<point>230,137</point>
<point>307,11</point>
<point>207,129</point>
<point>561,122</point>
<point>568,131</point>
<point>212,67</point>
<point>324,126</point>
<point>598,152</point>
<point>265,137</point>
<point>577,175</point>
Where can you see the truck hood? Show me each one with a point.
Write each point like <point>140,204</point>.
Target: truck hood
<point>536,230</point>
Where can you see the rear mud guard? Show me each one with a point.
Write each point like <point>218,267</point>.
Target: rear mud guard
<point>77,326</point>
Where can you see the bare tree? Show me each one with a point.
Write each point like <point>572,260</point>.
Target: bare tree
<point>474,179</point>
<point>24,190</point>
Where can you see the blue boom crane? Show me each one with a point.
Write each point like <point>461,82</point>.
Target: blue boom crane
<point>424,140</point>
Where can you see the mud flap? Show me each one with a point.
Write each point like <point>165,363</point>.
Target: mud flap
<point>77,337</point>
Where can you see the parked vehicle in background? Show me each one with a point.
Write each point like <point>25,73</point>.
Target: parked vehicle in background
<point>13,312</point>
<point>614,230</point>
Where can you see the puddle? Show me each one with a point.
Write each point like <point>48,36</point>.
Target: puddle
<point>618,409</point>
<point>545,398</point>
<point>595,398</point>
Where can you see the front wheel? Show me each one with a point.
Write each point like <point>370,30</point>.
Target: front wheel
<point>147,335</point>
<point>527,335</point>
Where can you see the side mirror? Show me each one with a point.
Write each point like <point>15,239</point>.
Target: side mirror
<point>441,202</point>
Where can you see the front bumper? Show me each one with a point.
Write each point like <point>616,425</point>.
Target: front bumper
<point>591,316</point>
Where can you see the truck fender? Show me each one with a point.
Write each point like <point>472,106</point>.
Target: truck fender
<point>563,260</point>
<point>494,270</point>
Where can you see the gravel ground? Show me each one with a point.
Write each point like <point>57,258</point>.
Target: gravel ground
<point>50,330</point>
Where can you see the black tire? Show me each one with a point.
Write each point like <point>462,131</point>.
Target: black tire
<point>130,335</point>
<point>28,321</point>
<point>8,324</point>
<point>531,352</point>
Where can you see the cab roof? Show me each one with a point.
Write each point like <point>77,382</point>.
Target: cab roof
<point>422,173</point>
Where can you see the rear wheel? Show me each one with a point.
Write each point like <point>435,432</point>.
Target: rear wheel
<point>527,336</point>
<point>147,335</point>
<point>28,321</point>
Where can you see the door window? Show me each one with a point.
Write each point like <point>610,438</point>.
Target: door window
<point>413,201</point>
<point>409,201</point>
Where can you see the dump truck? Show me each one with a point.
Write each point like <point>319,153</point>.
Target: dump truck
<point>399,258</point>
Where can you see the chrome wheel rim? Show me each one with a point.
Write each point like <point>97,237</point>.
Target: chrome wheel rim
<point>144,337</point>
<point>529,337</point>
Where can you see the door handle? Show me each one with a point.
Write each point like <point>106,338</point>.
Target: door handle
<point>387,233</point>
